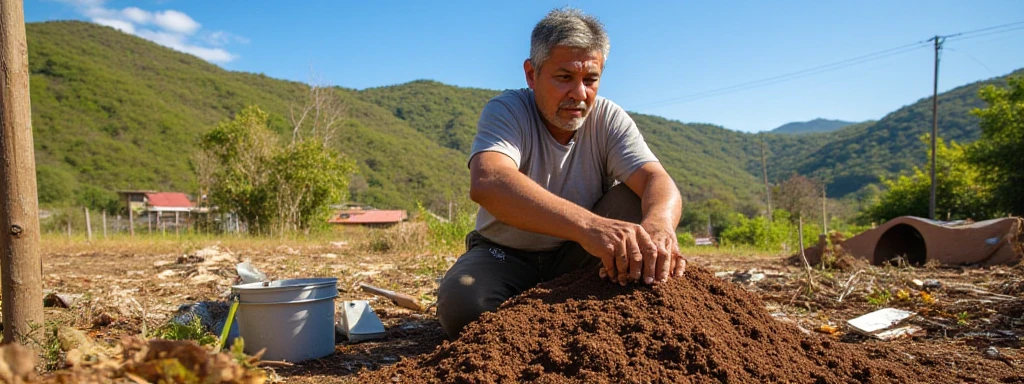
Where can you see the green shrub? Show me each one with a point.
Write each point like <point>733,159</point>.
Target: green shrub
<point>448,236</point>
<point>685,239</point>
<point>776,236</point>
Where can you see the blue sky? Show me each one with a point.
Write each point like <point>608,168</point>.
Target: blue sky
<point>663,53</point>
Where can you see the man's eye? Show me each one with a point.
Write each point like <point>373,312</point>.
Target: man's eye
<point>590,80</point>
<point>563,77</point>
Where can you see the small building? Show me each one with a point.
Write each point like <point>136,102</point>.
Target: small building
<point>134,200</point>
<point>369,217</point>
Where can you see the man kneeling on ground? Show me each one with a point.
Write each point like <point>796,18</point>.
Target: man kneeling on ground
<point>564,181</point>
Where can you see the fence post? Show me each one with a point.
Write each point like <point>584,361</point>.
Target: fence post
<point>88,224</point>
<point>104,224</point>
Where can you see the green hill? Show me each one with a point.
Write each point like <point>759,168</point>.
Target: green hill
<point>112,111</point>
<point>855,156</point>
<point>816,125</point>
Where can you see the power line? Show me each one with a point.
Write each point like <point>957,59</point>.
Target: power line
<point>960,36</point>
<point>788,76</point>
<point>985,29</point>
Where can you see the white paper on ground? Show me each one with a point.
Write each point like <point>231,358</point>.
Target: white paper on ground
<point>879,320</point>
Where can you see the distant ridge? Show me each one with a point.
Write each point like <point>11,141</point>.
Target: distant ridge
<point>816,125</point>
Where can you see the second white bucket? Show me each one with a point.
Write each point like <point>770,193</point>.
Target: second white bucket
<point>293,319</point>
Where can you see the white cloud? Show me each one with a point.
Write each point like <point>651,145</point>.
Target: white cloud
<point>137,15</point>
<point>174,29</point>
<point>175,21</point>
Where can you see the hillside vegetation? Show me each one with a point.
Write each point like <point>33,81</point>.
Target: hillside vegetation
<point>112,111</point>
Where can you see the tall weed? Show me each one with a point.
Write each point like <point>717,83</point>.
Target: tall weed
<point>448,236</point>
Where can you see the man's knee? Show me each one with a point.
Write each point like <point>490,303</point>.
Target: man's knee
<point>620,203</point>
<point>460,301</point>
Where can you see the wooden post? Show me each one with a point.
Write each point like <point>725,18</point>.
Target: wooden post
<point>104,224</point>
<point>131,219</point>
<point>88,224</point>
<point>767,187</point>
<point>69,221</point>
<point>20,264</point>
<point>177,230</point>
<point>824,211</point>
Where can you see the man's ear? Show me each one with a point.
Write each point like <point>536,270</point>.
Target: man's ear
<point>530,72</point>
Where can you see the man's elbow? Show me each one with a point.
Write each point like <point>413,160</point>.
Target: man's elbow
<point>479,191</point>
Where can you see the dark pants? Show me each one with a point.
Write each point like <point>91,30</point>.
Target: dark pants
<point>488,273</point>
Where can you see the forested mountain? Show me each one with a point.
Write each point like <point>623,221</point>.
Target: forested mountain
<point>112,111</point>
<point>816,125</point>
<point>856,155</point>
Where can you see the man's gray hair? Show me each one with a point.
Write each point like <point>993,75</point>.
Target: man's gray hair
<point>568,27</point>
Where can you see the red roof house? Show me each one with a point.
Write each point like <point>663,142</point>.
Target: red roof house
<point>168,202</point>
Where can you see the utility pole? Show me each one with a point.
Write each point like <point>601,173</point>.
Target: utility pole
<point>764,171</point>
<point>824,211</point>
<point>935,122</point>
<point>20,265</point>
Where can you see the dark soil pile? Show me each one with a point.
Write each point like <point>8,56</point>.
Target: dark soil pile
<point>580,329</point>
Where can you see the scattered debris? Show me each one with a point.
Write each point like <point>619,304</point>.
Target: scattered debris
<point>992,353</point>
<point>61,300</point>
<point>17,364</point>
<point>249,274</point>
<point>185,361</point>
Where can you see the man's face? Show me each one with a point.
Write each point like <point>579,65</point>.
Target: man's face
<point>565,88</point>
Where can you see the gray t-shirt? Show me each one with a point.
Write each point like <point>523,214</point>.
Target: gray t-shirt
<point>604,151</point>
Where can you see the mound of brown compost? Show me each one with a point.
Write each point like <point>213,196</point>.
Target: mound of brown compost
<point>696,329</point>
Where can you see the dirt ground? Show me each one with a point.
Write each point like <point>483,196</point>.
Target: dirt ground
<point>971,320</point>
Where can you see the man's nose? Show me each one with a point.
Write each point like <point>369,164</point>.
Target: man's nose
<point>578,91</point>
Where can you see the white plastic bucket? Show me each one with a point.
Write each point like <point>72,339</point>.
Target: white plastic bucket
<point>293,319</point>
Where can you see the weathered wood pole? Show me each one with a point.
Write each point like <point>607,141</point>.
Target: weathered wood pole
<point>88,224</point>
<point>104,224</point>
<point>20,264</point>
<point>131,219</point>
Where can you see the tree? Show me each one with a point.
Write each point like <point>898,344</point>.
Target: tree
<point>270,186</point>
<point>960,192</point>
<point>798,195</point>
<point>241,178</point>
<point>999,153</point>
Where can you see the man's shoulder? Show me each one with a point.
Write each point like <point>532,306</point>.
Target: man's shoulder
<point>514,98</point>
<point>609,115</point>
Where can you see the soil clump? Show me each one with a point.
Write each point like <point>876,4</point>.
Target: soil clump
<point>696,329</point>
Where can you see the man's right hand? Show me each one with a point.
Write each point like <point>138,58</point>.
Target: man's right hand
<point>623,248</point>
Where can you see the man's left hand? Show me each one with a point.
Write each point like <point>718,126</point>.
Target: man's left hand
<point>667,261</point>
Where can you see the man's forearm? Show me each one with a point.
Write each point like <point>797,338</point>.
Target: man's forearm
<point>520,202</point>
<point>661,202</point>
